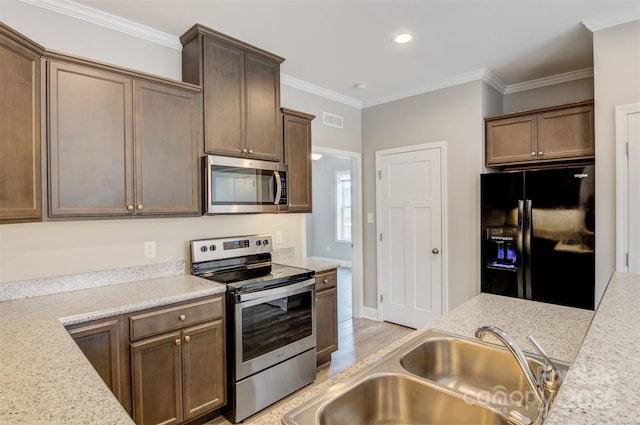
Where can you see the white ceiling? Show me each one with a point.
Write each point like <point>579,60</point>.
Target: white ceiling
<point>333,44</point>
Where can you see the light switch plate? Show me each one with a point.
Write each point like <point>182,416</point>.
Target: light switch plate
<point>278,236</point>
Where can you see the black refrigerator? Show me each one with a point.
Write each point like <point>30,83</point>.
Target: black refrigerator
<point>538,235</point>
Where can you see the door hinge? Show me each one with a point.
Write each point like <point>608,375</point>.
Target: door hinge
<point>380,237</point>
<point>379,174</point>
<point>626,259</point>
<point>626,148</point>
<point>380,298</point>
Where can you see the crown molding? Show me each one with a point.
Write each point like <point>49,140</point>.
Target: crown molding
<point>479,74</point>
<point>319,91</point>
<point>608,21</point>
<point>549,81</point>
<point>107,20</point>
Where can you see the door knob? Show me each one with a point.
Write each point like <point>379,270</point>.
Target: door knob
<point>435,250</point>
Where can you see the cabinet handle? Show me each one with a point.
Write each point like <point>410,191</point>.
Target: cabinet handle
<point>187,338</point>
<point>178,342</point>
<point>130,207</point>
<point>533,154</point>
<point>540,153</point>
<point>182,317</point>
<point>140,206</point>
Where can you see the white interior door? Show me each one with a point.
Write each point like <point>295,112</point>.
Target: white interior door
<point>627,188</point>
<point>633,134</point>
<point>409,205</point>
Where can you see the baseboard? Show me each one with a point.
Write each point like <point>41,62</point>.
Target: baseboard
<point>370,313</point>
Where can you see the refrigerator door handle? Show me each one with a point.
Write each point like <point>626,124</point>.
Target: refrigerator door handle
<point>520,250</point>
<point>528,234</point>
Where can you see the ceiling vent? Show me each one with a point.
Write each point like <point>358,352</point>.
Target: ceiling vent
<point>331,120</point>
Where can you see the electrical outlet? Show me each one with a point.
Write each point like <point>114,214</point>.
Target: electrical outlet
<point>278,236</point>
<point>150,249</point>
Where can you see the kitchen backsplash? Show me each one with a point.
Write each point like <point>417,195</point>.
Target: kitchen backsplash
<point>52,285</point>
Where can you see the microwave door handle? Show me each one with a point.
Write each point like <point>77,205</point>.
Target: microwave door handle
<point>276,174</point>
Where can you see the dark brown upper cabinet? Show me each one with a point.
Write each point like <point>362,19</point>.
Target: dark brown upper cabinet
<point>241,85</point>
<point>297,148</point>
<point>562,134</point>
<point>121,145</point>
<point>20,128</point>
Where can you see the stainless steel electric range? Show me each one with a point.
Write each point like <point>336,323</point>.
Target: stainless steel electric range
<point>270,316</point>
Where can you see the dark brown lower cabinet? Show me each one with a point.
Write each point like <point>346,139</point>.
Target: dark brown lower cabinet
<point>178,376</point>
<point>327,315</point>
<point>105,344</point>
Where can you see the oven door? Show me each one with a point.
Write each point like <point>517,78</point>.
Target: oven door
<point>273,325</point>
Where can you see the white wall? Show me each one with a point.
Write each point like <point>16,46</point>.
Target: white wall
<point>347,138</point>
<point>616,57</point>
<point>453,114</point>
<point>557,94</point>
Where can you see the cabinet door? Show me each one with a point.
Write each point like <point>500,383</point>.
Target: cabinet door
<point>204,368</point>
<point>90,142</point>
<point>105,346</point>
<point>566,134</point>
<point>156,377</point>
<point>224,107</point>
<point>20,181</point>
<point>297,145</point>
<point>264,122</point>
<point>167,140</point>
<point>511,140</point>
<point>327,324</point>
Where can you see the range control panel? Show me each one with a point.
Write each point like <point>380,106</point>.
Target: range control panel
<point>217,249</point>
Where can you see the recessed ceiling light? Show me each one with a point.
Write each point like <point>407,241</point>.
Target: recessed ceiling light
<point>402,38</point>
<point>360,84</point>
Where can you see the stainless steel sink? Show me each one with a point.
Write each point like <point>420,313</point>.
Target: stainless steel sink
<point>437,378</point>
<point>397,399</point>
<point>485,372</point>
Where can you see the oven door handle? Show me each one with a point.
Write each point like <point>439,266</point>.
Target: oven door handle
<point>275,291</point>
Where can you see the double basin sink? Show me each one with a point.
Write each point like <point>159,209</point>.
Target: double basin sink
<point>438,378</point>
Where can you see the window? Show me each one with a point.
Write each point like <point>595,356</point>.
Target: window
<point>343,206</point>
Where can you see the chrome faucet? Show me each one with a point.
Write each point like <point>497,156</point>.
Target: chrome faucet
<point>544,388</point>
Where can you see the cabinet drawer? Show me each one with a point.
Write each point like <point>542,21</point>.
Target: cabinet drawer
<point>159,321</point>
<point>326,280</point>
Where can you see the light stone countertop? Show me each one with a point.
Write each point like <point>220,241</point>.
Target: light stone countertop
<point>308,263</point>
<point>603,385</point>
<point>45,378</point>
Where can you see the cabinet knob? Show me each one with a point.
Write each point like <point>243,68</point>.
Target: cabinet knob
<point>140,206</point>
<point>182,317</point>
<point>178,342</point>
<point>130,207</point>
<point>325,280</point>
<point>540,153</point>
<point>533,154</point>
<point>244,150</point>
<point>187,338</point>
<point>250,150</point>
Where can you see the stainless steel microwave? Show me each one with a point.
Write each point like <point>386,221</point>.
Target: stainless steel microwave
<point>239,185</point>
